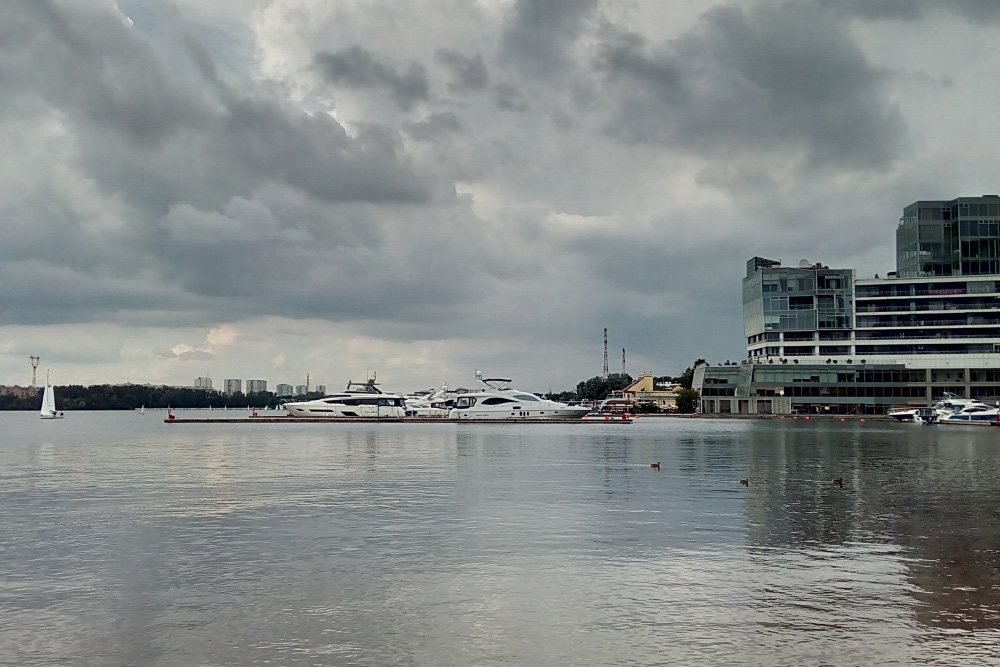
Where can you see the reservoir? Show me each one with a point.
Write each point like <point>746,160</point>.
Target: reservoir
<point>125,541</point>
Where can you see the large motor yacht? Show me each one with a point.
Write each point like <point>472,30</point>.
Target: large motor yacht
<point>497,400</point>
<point>360,399</point>
<point>977,413</point>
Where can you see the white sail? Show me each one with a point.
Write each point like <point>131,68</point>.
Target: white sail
<point>48,410</point>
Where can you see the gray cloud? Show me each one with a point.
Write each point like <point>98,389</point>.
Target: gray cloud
<point>538,34</point>
<point>776,78</point>
<point>508,97</point>
<point>975,10</point>
<point>468,73</point>
<point>435,127</point>
<point>357,68</point>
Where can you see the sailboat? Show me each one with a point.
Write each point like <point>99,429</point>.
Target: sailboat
<point>142,410</point>
<point>48,410</point>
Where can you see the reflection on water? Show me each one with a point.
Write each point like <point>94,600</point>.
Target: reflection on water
<point>127,541</point>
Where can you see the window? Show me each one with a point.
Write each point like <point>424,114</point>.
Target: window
<point>496,400</point>
<point>525,397</point>
<point>465,402</point>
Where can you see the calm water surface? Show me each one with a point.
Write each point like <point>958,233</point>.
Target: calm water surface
<point>126,541</point>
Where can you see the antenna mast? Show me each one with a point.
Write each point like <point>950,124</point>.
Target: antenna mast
<point>34,365</point>
<point>605,353</point>
<point>307,383</point>
<point>623,361</point>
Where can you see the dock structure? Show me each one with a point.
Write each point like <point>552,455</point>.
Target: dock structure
<point>395,420</point>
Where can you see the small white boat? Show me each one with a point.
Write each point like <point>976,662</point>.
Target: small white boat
<point>48,409</point>
<point>904,415</point>
<point>142,409</point>
<point>500,402</point>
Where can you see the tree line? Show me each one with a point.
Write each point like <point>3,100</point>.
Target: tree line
<point>132,397</point>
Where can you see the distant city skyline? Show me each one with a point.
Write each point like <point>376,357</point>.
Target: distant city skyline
<point>270,188</point>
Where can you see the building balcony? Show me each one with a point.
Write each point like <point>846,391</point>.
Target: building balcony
<point>908,308</point>
<point>983,321</point>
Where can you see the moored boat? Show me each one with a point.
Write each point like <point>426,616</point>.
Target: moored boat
<point>498,401</point>
<point>360,399</point>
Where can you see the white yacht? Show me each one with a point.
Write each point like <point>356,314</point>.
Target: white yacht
<point>904,415</point>
<point>431,404</point>
<point>974,414</point>
<point>496,400</point>
<point>360,399</point>
<point>949,405</point>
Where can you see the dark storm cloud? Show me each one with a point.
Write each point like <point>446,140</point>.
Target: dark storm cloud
<point>468,73</point>
<point>507,97</point>
<point>435,127</point>
<point>315,155</point>
<point>775,78</point>
<point>357,68</point>
<point>169,149</point>
<point>93,68</point>
<point>539,33</point>
<point>976,10</point>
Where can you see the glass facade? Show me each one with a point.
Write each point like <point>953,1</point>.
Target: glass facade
<point>847,389</point>
<point>949,238</point>
<point>794,305</point>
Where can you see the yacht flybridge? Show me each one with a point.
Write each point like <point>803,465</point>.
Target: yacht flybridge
<point>360,399</point>
<point>497,400</point>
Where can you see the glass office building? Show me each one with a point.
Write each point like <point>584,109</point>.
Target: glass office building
<point>823,340</point>
<point>960,237</point>
<point>796,312</point>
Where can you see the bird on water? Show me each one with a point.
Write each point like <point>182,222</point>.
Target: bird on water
<point>745,482</point>
<point>839,482</point>
<point>655,465</point>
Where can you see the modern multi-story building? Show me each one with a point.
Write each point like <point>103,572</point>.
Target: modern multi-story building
<point>203,383</point>
<point>256,386</point>
<point>819,339</point>
<point>960,237</point>
<point>300,390</point>
<point>232,387</point>
<point>283,390</point>
<point>321,388</point>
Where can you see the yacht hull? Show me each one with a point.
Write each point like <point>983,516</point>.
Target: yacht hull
<point>519,415</point>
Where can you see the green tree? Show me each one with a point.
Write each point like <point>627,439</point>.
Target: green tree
<point>687,400</point>
<point>598,388</point>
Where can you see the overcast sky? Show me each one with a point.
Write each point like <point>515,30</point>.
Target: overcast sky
<point>269,188</point>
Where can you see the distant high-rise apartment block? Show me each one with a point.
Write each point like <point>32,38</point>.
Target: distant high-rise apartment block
<point>232,387</point>
<point>300,389</point>
<point>283,390</point>
<point>203,383</point>
<point>256,386</point>
<point>321,388</point>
